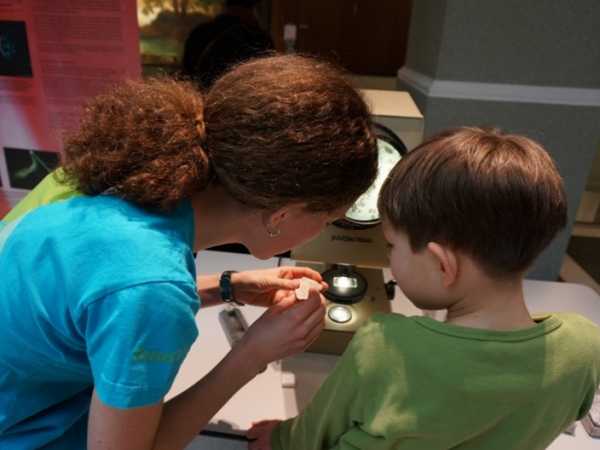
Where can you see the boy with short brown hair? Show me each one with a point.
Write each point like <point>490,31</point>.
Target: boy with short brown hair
<point>466,214</point>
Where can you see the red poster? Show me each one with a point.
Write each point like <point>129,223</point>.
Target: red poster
<point>4,205</point>
<point>53,56</point>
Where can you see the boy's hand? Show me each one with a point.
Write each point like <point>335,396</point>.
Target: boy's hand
<point>260,434</point>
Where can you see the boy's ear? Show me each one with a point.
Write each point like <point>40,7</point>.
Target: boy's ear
<point>447,260</point>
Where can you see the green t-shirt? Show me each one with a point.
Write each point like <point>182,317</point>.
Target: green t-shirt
<point>413,383</point>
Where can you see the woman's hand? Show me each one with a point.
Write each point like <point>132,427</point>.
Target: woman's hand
<point>260,434</point>
<point>286,328</point>
<point>267,287</point>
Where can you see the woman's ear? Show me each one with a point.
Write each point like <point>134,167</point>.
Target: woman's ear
<point>447,260</point>
<point>274,218</point>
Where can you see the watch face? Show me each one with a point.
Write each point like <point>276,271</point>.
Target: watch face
<point>365,208</point>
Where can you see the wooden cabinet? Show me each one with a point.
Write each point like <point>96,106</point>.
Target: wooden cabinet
<point>367,37</point>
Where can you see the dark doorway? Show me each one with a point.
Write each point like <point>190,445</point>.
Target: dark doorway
<point>366,37</point>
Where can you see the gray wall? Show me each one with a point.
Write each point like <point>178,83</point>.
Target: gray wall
<point>536,42</point>
<point>539,42</point>
<point>425,36</point>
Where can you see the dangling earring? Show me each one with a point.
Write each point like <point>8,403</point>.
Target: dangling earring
<point>273,233</point>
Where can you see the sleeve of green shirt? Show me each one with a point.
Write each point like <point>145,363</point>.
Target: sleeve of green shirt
<point>333,418</point>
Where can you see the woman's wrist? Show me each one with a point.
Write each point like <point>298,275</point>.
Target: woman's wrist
<point>248,360</point>
<point>229,293</point>
<point>241,285</point>
<point>236,285</point>
<point>208,289</point>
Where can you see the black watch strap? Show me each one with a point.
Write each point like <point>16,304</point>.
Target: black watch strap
<point>227,289</point>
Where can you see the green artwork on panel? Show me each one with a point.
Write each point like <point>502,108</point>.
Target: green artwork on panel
<point>36,164</point>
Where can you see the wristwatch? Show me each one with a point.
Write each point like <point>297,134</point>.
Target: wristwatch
<point>226,288</point>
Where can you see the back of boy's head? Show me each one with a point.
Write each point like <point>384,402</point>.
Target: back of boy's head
<point>496,197</point>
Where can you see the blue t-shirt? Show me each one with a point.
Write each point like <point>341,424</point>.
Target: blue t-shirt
<point>95,292</point>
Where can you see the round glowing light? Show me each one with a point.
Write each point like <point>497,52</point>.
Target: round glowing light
<point>345,282</point>
<point>340,314</point>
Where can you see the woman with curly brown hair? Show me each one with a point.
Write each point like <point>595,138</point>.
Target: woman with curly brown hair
<point>98,291</point>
